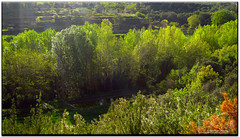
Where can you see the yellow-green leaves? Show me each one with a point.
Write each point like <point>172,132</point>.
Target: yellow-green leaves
<point>228,34</point>
<point>193,20</point>
<point>206,74</point>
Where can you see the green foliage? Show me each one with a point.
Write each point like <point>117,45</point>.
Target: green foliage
<point>91,32</point>
<point>107,50</point>
<point>196,49</point>
<point>7,38</point>
<point>227,54</point>
<point>193,21</point>
<point>206,74</point>
<point>207,34</point>
<point>131,40</point>
<point>26,73</point>
<point>179,76</point>
<point>34,41</point>
<point>189,77</point>
<point>40,3</point>
<point>45,39</point>
<point>170,43</point>
<point>145,53</point>
<point>132,37</point>
<point>38,19</point>
<point>196,80</point>
<point>228,34</point>
<point>222,16</point>
<point>74,53</point>
<point>27,40</point>
<point>118,19</point>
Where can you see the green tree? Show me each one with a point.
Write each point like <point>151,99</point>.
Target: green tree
<point>25,74</point>
<point>170,42</point>
<point>174,24</point>
<point>34,41</point>
<point>131,65</point>
<point>74,53</point>
<point>195,49</point>
<point>107,51</point>
<point>27,40</point>
<point>193,21</point>
<point>91,31</point>
<point>207,34</point>
<point>204,18</point>
<point>145,54</point>
<point>27,67</point>
<point>118,19</point>
<point>45,39</point>
<point>228,54</point>
<point>165,22</point>
<point>222,16</point>
<point>228,34</point>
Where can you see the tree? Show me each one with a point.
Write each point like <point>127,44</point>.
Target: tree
<point>195,49</point>
<point>118,19</point>
<point>26,73</point>
<point>193,21</point>
<point>45,39</point>
<point>207,34</point>
<point>222,16</point>
<point>171,16</point>
<point>107,50</point>
<point>91,31</point>
<point>27,40</point>
<point>34,41</point>
<point>227,55</point>
<point>74,53</point>
<point>170,42</point>
<point>130,64</point>
<point>228,34</point>
<point>27,67</point>
<point>145,54</point>
<point>204,18</point>
<point>174,24</point>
